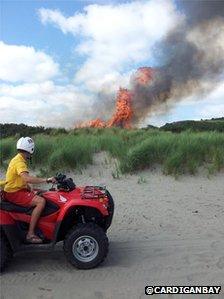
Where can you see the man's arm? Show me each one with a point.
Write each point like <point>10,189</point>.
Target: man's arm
<point>29,179</point>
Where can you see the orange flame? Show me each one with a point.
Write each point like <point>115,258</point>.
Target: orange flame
<point>123,112</point>
<point>94,123</point>
<point>144,75</point>
<point>97,123</point>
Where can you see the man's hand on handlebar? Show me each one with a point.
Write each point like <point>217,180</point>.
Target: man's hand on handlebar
<point>51,180</point>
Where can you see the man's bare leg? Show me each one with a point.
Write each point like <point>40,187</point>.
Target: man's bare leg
<point>39,203</point>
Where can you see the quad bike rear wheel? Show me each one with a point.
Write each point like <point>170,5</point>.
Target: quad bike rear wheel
<point>86,245</point>
<point>6,252</point>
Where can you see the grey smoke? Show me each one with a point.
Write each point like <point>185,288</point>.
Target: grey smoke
<point>193,59</point>
<point>198,11</point>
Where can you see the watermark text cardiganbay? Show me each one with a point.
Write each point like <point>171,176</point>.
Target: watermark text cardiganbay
<point>150,290</point>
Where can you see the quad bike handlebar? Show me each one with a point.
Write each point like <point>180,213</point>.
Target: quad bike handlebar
<point>63,183</point>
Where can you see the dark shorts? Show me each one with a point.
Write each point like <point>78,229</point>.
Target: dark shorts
<point>22,197</point>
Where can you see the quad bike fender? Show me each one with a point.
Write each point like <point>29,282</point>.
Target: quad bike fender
<point>83,203</point>
<point>70,207</point>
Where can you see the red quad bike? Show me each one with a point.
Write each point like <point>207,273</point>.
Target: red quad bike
<point>79,216</point>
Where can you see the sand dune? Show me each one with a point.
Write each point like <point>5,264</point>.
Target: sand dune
<point>165,231</point>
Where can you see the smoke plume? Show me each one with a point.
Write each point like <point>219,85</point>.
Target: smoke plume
<point>193,59</point>
<point>191,63</point>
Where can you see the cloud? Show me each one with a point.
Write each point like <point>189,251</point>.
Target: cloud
<point>25,64</point>
<point>43,103</point>
<point>115,36</point>
<point>211,111</point>
<point>213,104</point>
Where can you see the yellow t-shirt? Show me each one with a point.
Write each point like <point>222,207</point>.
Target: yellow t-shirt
<point>14,181</point>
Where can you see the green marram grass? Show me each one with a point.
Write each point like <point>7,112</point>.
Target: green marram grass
<point>134,149</point>
<point>7,150</point>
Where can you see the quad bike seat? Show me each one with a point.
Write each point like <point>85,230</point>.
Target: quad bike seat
<point>50,208</point>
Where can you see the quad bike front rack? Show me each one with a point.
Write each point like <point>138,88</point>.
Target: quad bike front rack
<point>92,192</point>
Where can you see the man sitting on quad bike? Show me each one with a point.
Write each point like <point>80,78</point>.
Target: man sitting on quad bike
<point>77,215</point>
<point>17,189</point>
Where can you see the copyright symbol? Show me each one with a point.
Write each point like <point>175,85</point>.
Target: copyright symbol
<point>149,290</point>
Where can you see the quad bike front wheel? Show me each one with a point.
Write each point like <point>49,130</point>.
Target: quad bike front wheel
<point>5,252</point>
<point>86,246</point>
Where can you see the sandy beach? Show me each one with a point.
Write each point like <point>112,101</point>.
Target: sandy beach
<point>165,231</point>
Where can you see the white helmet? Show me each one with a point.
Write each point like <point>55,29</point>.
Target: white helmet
<point>26,144</point>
